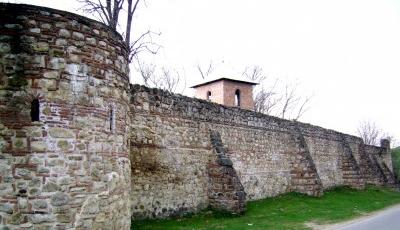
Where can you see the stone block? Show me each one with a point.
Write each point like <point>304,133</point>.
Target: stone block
<point>42,218</point>
<point>19,143</point>
<point>78,36</point>
<point>39,204</point>
<point>51,74</point>
<point>57,63</point>
<point>4,48</point>
<point>64,145</point>
<point>38,146</point>
<point>61,133</point>
<point>61,42</point>
<point>51,187</point>
<point>59,199</point>
<point>63,33</point>
<point>7,208</point>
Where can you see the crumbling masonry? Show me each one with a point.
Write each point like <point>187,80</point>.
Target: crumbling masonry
<point>82,148</point>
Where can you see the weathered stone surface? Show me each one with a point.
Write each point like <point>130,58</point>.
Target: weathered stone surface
<point>100,153</point>
<point>46,170</point>
<point>61,133</point>
<point>7,208</point>
<point>51,187</point>
<point>270,155</point>
<point>59,199</point>
<point>64,33</point>
<point>40,204</point>
<point>38,146</point>
<point>42,218</point>
<point>78,36</point>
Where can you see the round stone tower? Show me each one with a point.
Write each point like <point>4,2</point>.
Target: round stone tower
<point>63,121</point>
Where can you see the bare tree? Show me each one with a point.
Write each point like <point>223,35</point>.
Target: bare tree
<point>254,73</point>
<point>369,132</point>
<point>146,72</point>
<point>108,11</point>
<point>265,101</point>
<point>170,79</point>
<point>163,78</point>
<point>372,134</point>
<point>293,106</point>
<point>204,72</point>
<point>286,103</point>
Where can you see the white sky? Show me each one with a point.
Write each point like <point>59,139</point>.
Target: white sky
<point>346,52</point>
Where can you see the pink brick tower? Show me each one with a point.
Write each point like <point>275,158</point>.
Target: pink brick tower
<point>227,91</point>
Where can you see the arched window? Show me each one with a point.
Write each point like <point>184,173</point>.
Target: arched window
<point>209,95</point>
<point>237,98</point>
<point>35,110</point>
<point>112,119</point>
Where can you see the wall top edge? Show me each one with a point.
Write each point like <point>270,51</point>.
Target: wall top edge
<point>16,9</point>
<point>136,88</point>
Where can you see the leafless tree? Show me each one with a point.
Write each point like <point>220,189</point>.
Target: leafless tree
<point>265,98</point>
<point>204,72</point>
<point>109,11</point>
<point>268,99</point>
<point>171,79</point>
<point>369,132</point>
<point>254,73</point>
<point>163,78</point>
<point>265,101</point>
<point>146,72</point>
<point>293,106</point>
<point>372,134</point>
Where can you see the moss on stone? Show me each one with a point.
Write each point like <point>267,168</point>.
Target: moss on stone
<point>63,144</point>
<point>16,218</point>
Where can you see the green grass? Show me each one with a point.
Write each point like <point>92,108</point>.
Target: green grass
<point>396,161</point>
<point>289,211</point>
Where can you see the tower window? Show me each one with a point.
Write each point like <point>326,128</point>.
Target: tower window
<point>237,98</point>
<point>112,119</point>
<point>209,95</point>
<point>35,110</point>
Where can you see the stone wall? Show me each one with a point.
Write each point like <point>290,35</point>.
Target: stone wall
<point>70,169</point>
<point>82,149</point>
<point>270,156</point>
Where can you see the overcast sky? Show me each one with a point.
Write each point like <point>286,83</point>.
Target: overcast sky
<point>345,52</point>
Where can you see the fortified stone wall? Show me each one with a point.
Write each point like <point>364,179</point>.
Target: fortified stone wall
<point>82,149</point>
<point>270,156</point>
<point>63,122</point>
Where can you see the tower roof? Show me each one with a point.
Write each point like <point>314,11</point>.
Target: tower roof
<point>224,78</point>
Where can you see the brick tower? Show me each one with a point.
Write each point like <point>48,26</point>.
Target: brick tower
<point>227,91</point>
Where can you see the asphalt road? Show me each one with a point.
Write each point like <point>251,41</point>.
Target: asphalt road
<point>386,220</point>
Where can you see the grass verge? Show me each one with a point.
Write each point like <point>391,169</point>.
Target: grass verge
<point>289,211</point>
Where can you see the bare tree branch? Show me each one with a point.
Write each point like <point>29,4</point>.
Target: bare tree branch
<point>146,72</point>
<point>254,73</point>
<point>141,44</point>
<point>164,78</point>
<point>303,108</point>
<point>207,72</point>
<point>286,103</point>
<point>108,11</point>
<point>369,132</point>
